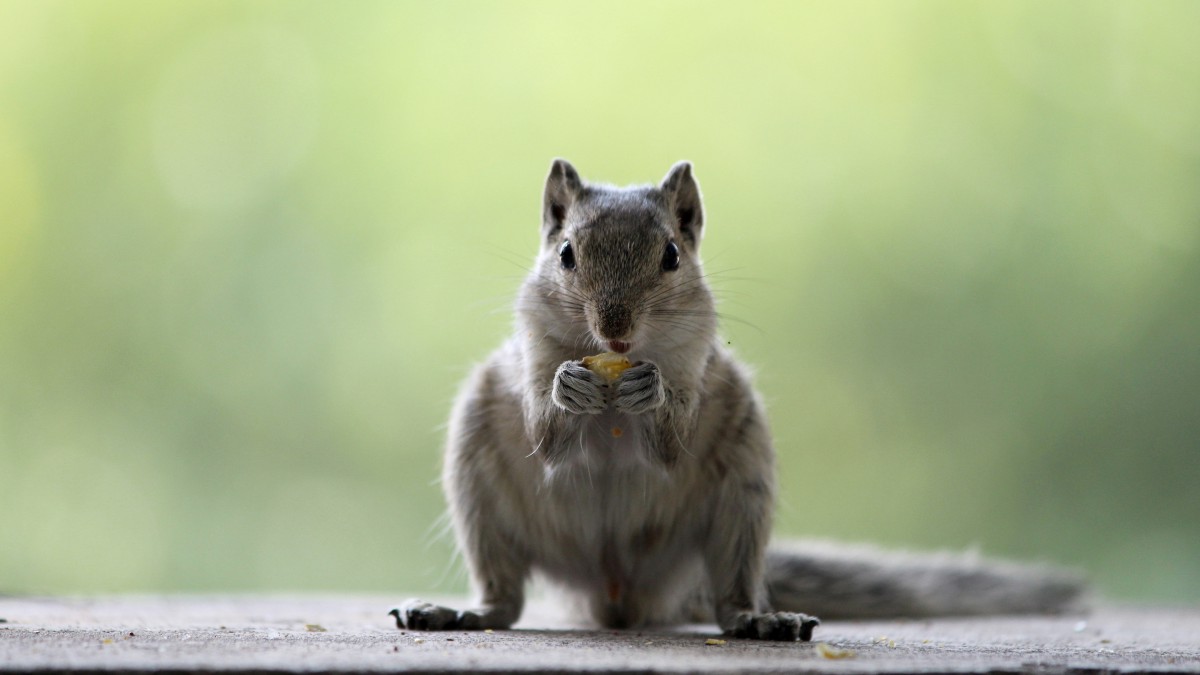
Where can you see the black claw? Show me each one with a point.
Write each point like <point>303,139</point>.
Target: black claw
<point>399,618</point>
<point>806,627</point>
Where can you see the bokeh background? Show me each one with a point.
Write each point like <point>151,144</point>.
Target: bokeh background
<point>248,250</point>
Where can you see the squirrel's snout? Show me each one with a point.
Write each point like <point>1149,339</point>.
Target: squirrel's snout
<point>614,322</point>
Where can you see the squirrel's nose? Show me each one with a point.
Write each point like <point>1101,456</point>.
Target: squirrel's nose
<point>613,321</point>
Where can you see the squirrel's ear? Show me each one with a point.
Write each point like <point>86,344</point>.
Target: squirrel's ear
<point>562,188</point>
<point>684,202</point>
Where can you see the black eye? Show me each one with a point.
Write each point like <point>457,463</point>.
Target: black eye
<point>671,257</point>
<point>567,255</point>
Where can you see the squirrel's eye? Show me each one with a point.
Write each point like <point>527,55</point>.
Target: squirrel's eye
<point>671,257</point>
<point>566,255</point>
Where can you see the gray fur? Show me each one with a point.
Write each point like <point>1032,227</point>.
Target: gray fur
<point>859,581</point>
<point>651,497</point>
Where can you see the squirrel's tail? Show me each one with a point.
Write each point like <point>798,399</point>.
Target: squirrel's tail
<point>839,581</point>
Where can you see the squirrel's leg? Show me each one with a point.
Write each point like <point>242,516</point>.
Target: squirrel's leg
<point>484,493</point>
<point>734,556</point>
<point>498,573</point>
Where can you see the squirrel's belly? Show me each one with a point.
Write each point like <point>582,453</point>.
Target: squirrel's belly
<point>615,567</point>
<point>613,528</point>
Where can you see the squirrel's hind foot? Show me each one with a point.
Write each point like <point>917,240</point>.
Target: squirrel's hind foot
<point>785,626</point>
<point>420,615</point>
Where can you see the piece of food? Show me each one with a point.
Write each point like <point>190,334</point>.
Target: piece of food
<point>831,652</point>
<point>608,365</point>
<point>713,642</point>
<point>616,432</point>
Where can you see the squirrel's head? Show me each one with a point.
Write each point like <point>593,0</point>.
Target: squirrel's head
<point>621,265</point>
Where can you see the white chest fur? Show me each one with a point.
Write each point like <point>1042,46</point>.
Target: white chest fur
<point>611,517</point>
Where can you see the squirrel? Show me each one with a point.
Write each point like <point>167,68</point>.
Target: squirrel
<point>652,495</point>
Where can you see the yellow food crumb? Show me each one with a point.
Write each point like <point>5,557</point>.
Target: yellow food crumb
<point>419,640</point>
<point>829,652</point>
<point>489,631</point>
<point>314,628</point>
<point>713,642</point>
<point>608,365</point>
<point>617,432</point>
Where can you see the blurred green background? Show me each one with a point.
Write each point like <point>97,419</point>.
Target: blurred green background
<point>248,250</point>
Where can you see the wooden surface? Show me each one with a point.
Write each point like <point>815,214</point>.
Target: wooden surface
<point>347,634</point>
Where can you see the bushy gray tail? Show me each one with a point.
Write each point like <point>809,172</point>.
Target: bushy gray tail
<point>839,581</point>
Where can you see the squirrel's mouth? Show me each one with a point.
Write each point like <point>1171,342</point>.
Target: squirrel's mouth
<point>619,346</point>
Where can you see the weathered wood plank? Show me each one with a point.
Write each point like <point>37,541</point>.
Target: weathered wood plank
<point>284,635</point>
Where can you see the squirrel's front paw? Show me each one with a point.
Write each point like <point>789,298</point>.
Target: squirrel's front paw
<point>578,390</point>
<point>640,389</point>
<point>786,626</point>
